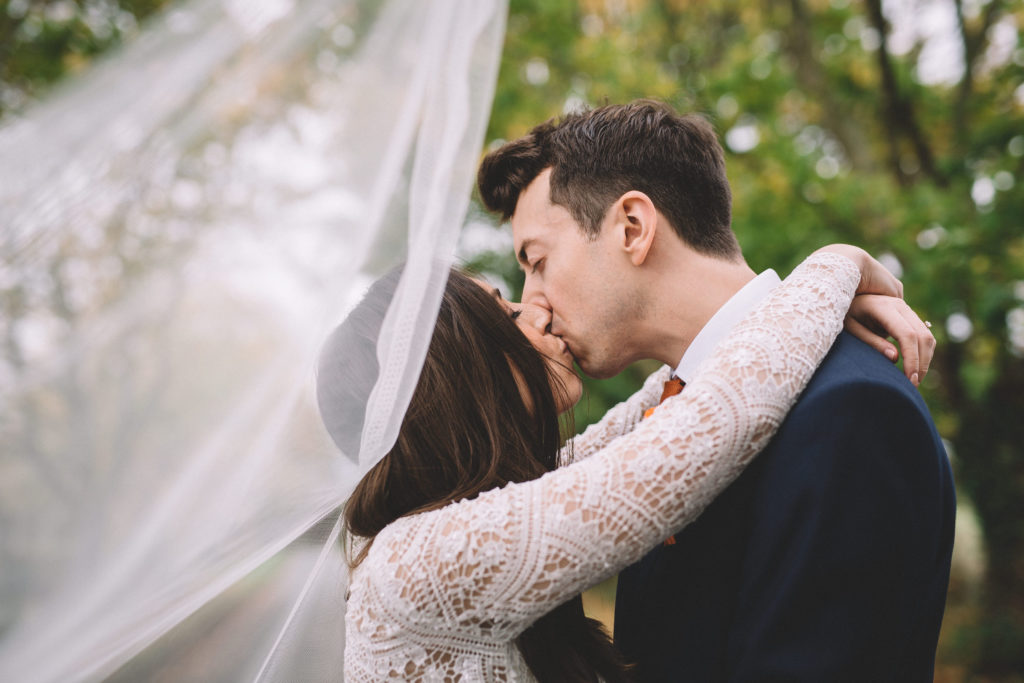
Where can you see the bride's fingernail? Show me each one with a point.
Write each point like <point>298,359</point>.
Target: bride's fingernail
<point>913,379</point>
<point>891,353</point>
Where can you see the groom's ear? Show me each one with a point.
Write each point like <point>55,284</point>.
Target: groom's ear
<point>638,222</point>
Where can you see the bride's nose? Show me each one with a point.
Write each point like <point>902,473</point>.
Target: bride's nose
<point>536,317</point>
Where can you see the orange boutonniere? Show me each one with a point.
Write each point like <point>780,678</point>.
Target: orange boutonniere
<point>672,387</point>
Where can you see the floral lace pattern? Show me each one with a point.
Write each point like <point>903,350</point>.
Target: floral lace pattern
<point>618,421</point>
<point>443,595</point>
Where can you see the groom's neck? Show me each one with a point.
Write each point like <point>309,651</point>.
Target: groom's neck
<point>687,295</point>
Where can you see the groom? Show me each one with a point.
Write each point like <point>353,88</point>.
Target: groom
<point>828,559</point>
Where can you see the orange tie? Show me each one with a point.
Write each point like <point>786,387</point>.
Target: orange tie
<point>673,386</point>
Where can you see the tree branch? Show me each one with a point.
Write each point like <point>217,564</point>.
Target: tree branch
<point>814,80</point>
<point>974,45</point>
<point>899,111</point>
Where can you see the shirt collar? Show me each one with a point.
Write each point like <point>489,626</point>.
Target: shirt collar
<point>726,318</point>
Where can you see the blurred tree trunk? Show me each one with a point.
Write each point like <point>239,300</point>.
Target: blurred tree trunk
<point>991,472</point>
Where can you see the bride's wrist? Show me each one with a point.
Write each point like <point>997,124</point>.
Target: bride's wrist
<point>859,257</point>
<point>874,277</point>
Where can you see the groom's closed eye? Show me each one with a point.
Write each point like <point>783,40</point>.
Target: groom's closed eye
<point>523,255</point>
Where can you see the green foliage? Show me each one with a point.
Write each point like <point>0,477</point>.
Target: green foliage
<point>43,40</point>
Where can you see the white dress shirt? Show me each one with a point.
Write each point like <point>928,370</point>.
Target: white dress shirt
<point>727,317</point>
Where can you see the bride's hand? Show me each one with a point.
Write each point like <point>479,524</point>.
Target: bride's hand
<point>879,312</point>
<point>873,318</point>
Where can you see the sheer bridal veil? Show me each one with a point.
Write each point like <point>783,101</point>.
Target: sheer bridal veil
<point>181,227</point>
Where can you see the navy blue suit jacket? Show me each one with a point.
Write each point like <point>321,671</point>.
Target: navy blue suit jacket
<point>826,560</point>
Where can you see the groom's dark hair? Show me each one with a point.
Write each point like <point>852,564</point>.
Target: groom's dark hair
<point>596,156</point>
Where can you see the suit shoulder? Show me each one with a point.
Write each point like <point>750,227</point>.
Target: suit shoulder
<point>858,405</point>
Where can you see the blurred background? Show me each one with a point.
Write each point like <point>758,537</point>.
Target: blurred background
<point>896,125</point>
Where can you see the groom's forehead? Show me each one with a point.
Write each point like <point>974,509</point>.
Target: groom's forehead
<point>544,223</point>
<point>535,208</point>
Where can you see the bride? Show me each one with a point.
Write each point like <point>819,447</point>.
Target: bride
<point>469,546</point>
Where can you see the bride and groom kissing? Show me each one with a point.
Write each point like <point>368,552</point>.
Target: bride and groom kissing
<point>824,558</point>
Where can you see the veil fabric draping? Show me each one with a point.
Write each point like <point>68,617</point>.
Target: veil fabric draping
<point>180,228</point>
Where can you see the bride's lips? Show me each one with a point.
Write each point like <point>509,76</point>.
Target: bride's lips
<point>562,349</point>
<point>566,350</point>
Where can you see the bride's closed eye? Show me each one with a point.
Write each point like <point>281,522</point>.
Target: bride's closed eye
<point>515,313</point>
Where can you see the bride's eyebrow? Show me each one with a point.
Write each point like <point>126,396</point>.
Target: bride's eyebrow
<point>506,304</point>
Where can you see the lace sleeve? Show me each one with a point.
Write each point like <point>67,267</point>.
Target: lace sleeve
<point>491,566</point>
<point>618,421</point>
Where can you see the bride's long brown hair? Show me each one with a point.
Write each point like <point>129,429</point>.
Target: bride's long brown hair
<point>467,430</point>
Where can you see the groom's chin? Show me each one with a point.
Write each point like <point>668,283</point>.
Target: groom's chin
<point>598,370</point>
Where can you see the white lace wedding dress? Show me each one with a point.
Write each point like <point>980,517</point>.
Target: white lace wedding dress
<point>443,595</point>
